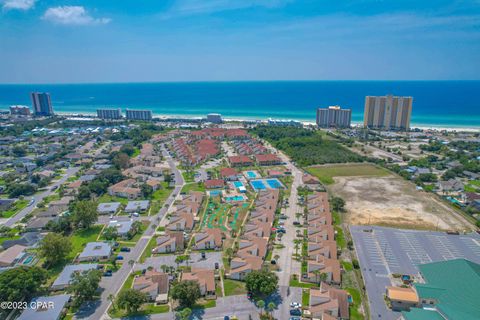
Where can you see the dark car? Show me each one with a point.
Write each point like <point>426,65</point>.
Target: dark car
<point>203,255</point>
<point>119,258</point>
<point>296,223</point>
<point>273,262</point>
<point>107,273</point>
<point>216,266</point>
<point>226,318</point>
<point>295,312</point>
<point>281,231</point>
<point>125,249</point>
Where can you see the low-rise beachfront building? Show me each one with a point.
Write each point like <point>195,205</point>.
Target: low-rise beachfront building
<point>214,184</point>
<point>402,299</point>
<point>229,174</point>
<point>328,303</point>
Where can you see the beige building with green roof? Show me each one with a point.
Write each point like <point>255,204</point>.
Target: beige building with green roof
<point>451,291</point>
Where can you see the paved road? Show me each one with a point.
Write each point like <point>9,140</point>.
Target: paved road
<point>112,285</point>
<point>37,198</point>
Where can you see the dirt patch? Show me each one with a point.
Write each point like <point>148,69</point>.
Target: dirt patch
<point>392,201</point>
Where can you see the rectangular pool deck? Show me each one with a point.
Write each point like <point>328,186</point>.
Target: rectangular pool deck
<point>263,184</point>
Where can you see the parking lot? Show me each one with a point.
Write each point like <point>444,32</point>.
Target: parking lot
<point>195,261</point>
<point>384,251</point>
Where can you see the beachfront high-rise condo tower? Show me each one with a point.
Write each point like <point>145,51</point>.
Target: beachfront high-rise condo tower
<point>214,118</point>
<point>41,103</point>
<point>145,115</point>
<point>109,113</point>
<point>387,112</point>
<point>334,116</point>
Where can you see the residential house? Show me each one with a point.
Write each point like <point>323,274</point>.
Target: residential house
<point>241,266</point>
<point>66,276</point>
<point>49,308</point>
<point>125,189</point>
<point>95,251</point>
<point>402,299</point>
<point>240,161</point>
<point>267,159</point>
<point>154,284</point>
<point>208,239</point>
<point>137,206</point>
<point>328,301</point>
<point>108,208</point>
<point>205,279</point>
<point>170,242</point>
<point>229,174</point>
<point>214,184</point>
<point>12,255</point>
<point>330,267</point>
<point>123,227</point>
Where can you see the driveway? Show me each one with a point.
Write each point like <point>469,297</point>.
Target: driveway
<point>195,261</point>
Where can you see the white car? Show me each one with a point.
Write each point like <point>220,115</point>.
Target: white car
<point>295,305</point>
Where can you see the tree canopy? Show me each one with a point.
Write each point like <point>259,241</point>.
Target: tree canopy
<point>21,283</point>
<point>186,292</point>
<point>131,300</point>
<point>54,248</point>
<point>84,214</point>
<point>84,285</point>
<point>261,282</point>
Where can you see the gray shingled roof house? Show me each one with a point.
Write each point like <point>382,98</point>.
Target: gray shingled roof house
<point>137,206</point>
<point>95,251</point>
<point>108,208</point>
<point>50,308</point>
<point>66,275</point>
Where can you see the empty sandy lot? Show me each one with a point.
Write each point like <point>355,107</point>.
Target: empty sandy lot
<point>392,201</point>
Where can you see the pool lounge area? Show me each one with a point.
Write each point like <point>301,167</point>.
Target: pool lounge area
<point>234,198</point>
<point>215,193</point>
<point>263,184</point>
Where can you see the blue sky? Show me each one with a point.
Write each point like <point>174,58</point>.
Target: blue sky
<point>222,40</point>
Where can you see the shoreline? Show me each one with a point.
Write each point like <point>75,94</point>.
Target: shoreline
<point>434,127</point>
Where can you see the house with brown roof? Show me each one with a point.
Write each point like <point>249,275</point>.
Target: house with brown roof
<point>125,189</point>
<point>154,284</point>
<point>214,184</point>
<point>12,255</point>
<point>327,248</point>
<point>257,228</point>
<point>205,279</point>
<point>208,239</point>
<point>402,299</point>
<point>267,159</point>
<point>241,266</point>
<point>240,161</point>
<point>181,222</point>
<point>253,246</point>
<point>229,174</point>
<point>328,301</point>
<point>323,232</point>
<point>170,242</point>
<point>330,267</point>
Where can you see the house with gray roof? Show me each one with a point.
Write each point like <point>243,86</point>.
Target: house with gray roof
<point>28,239</point>
<point>95,251</point>
<point>122,227</point>
<point>108,208</point>
<point>137,206</point>
<point>49,308</point>
<point>65,277</point>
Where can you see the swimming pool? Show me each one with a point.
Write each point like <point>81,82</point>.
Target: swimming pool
<point>262,184</point>
<point>234,198</point>
<point>251,174</point>
<point>238,184</point>
<point>215,193</point>
<point>274,183</point>
<point>258,185</point>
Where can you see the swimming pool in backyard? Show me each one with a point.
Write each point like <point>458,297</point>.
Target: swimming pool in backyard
<point>239,185</point>
<point>251,174</point>
<point>234,198</point>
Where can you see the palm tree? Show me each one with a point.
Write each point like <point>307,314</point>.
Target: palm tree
<point>111,298</point>
<point>298,215</point>
<point>164,268</point>
<point>317,276</point>
<point>261,305</point>
<point>131,263</point>
<point>297,245</point>
<point>229,254</point>
<point>271,306</point>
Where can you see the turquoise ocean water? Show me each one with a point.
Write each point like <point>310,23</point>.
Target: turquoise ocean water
<point>436,103</point>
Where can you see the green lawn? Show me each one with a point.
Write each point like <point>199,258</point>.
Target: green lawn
<point>193,186</point>
<point>2,239</point>
<point>234,287</point>
<point>327,172</point>
<point>81,237</point>
<point>305,297</point>
<point>354,313</point>
<point>17,206</point>
<point>162,193</point>
<point>148,250</point>
<point>108,198</point>
<point>146,309</point>
<point>298,284</point>
<point>340,238</point>
<point>347,266</point>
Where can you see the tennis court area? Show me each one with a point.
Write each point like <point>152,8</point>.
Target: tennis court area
<point>263,184</point>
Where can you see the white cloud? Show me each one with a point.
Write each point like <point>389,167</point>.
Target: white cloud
<point>72,15</point>
<point>18,4</point>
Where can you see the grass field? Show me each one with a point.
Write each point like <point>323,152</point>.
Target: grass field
<point>108,198</point>
<point>81,237</point>
<point>193,186</point>
<point>233,287</point>
<point>326,172</point>
<point>17,206</point>
<point>354,313</point>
